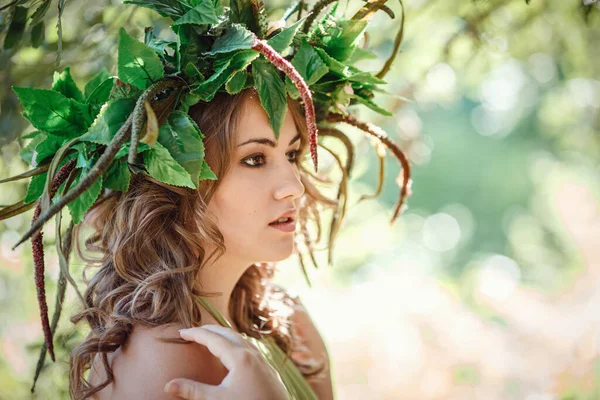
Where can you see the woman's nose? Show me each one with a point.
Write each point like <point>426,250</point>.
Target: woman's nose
<point>289,183</point>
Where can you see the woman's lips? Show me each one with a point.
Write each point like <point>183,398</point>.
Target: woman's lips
<point>289,226</point>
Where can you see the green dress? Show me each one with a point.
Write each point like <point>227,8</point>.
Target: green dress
<point>295,383</point>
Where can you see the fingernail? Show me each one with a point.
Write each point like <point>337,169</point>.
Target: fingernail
<point>184,330</point>
<point>172,387</point>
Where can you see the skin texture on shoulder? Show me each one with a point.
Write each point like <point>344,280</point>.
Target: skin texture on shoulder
<point>144,365</point>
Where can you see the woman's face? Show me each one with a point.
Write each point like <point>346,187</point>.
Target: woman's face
<point>262,184</point>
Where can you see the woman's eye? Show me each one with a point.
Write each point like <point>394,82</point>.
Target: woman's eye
<point>257,160</point>
<point>253,159</point>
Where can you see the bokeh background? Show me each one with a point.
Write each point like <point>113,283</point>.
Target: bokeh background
<point>486,287</point>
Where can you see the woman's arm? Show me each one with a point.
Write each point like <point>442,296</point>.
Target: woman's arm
<point>304,327</point>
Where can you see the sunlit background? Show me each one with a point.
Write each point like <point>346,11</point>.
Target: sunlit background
<point>486,287</point>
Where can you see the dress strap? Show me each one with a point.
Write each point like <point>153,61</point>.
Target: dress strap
<point>214,312</point>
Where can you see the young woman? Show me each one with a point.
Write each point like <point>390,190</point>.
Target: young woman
<point>164,247</point>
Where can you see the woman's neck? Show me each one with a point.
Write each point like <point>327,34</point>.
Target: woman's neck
<point>219,279</point>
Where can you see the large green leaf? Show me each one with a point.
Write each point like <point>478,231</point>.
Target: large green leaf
<point>283,39</point>
<point>163,167</point>
<point>83,202</point>
<point>308,63</point>
<point>271,91</point>
<point>202,14</point>
<point>52,112</point>
<point>93,84</point>
<point>341,39</point>
<point>235,38</point>
<point>226,66</point>
<point>64,83</point>
<point>47,148</point>
<point>182,138</point>
<point>110,119</point>
<point>138,64</point>
<point>117,177</point>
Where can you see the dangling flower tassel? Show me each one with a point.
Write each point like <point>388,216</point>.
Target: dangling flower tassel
<point>38,258</point>
<point>380,134</point>
<point>309,109</point>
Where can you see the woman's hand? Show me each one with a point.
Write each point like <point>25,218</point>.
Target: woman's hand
<point>250,375</point>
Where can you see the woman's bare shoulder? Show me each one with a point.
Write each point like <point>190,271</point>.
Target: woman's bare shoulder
<point>145,364</point>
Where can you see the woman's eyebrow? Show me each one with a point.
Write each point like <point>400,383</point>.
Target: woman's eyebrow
<point>268,142</point>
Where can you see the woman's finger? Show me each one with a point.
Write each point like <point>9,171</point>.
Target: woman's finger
<point>219,346</point>
<point>190,390</point>
<point>229,334</point>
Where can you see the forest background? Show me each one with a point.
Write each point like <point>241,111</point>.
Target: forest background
<point>487,287</point>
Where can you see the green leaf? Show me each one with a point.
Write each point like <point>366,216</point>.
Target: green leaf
<point>84,158</point>
<point>117,177</point>
<point>16,27</point>
<point>207,173</point>
<point>64,83</point>
<point>47,148</point>
<point>40,12</point>
<point>93,84</point>
<point>341,39</point>
<point>38,182</point>
<point>102,93</point>
<point>308,63</point>
<point>189,45</point>
<point>124,150</point>
<point>162,167</point>
<point>363,77</point>
<point>202,14</point>
<point>52,112</point>
<point>283,39</point>
<point>271,91</point>
<point>36,187</point>
<point>167,8</point>
<point>334,65</point>
<point>28,151</point>
<point>235,38</point>
<point>369,103</point>
<point>30,135</point>
<point>110,119</point>
<point>182,138</point>
<point>291,89</point>
<point>83,202</point>
<point>225,67</point>
<point>38,33</point>
<point>243,12</point>
<point>138,64</point>
<point>236,82</point>
<point>361,54</point>
<point>192,72</point>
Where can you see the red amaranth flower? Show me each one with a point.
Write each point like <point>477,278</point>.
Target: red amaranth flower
<point>38,258</point>
<point>309,109</point>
